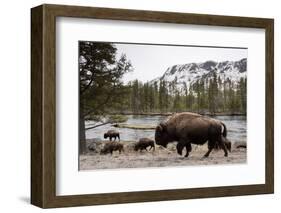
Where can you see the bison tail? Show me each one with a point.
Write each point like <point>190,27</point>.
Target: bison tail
<point>224,132</point>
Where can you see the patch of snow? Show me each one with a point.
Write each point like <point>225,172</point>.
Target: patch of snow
<point>190,73</point>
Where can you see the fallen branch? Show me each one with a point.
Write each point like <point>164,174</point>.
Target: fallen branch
<point>92,127</point>
<point>135,126</point>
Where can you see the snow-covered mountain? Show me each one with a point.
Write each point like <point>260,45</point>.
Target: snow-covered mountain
<point>190,73</point>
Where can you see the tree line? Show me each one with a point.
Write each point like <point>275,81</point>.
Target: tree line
<point>212,95</point>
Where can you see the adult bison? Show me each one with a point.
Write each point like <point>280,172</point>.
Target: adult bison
<point>112,134</point>
<point>191,128</point>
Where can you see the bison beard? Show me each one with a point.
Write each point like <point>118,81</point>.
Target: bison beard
<point>191,128</point>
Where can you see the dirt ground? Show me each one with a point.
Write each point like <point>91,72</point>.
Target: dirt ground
<point>161,157</point>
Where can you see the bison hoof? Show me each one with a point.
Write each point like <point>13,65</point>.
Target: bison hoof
<point>225,155</point>
<point>186,155</point>
<point>205,156</point>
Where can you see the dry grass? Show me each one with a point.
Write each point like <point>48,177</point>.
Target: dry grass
<point>161,157</point>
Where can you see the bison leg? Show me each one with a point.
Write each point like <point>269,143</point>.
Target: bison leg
<point>110,138</point>
<point>222,145</point>
<point>152,147</point>
<point>118,137</point>
<point>188,149</point>
<point>227,146</point>
<point>181,144</point>
<point>211,145</point>
<point>180,147</point>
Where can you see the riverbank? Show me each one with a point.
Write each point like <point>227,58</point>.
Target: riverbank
<point>161,157</point>
<point>171,113</point>
<point>148,126</point>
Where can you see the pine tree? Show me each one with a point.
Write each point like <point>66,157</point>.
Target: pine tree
<point>101,88</point>
<point>135,102</point>
<point>177,101</point>
<point>161,96</point>
<point>186,100</point>
<point>166,96</point>
<point>146,97</point>
<point>191,99</point>
<point>141,97</point>
<point>151,103</point>
<point>156,96</point>
<point>243,94</point>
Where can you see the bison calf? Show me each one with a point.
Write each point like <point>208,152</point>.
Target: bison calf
<point>144,143</point>
<point>112,134</point>
<point>112,146</point>
<point>226,142</point>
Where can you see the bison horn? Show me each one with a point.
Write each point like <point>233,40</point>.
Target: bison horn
<point>163,125</point>
<point>159,128</point>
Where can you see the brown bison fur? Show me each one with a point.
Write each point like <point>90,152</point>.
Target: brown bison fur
<point>191,128</point>
<point>228,145</point>
<point>240,145</point>
<point>112,134</point>
<point>112,146</point>
<point>143,143</point>
<point>226,142</point>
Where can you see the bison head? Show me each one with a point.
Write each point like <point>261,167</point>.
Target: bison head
<point>104,151</point>
<point>136,147</point>
<point>228,146</point>
<point>105,135</point>
<point>227,143</point>
<point>161,135</point>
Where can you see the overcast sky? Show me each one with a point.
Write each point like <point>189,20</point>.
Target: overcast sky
<point>151,61</point>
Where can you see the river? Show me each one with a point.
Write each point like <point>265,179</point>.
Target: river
<point>236,127</point>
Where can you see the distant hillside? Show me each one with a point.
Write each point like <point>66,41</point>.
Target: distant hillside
<point>190,73</point>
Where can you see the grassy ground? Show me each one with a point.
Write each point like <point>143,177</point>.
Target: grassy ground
<point>161,157</point>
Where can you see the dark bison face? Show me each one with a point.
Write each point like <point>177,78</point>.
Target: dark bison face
<point>105,135</point>
<point>161,135</point>
<point>227,143</point>
<point>104,151</point>
<point>228,146</point>
<point>136,147</point>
